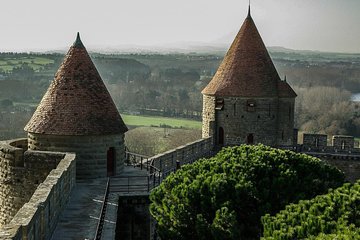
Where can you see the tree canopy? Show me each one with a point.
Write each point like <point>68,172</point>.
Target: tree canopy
<point>335,215</point>
<point>225,196</point>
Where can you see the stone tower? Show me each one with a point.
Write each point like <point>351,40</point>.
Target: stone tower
<point>77,114</point>
<point>246,101</point>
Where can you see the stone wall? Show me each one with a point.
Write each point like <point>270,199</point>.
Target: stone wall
<point>241,117</point>
<point>285,134</point>
<point>349,164</point>
<point>133,218</point>
<point>38,217</point>
<point>166,162</point>
<point>91,151</point>
<point>340,142</point>
<point>312,142</point>
<point>20,173</point>
<point>237,120</point>
<point>208,116</point>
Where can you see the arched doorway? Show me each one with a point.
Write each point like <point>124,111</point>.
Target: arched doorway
<point>250,138</point>
<point>221,136</point>
<point>110,162</point>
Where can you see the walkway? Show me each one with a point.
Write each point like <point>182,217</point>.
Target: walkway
<point>80,217</point>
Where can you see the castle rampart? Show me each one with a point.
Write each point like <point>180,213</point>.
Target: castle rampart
<point>342,154</point>
<point>20,174</point>
<point>37,218</point>
<point>167,162</point>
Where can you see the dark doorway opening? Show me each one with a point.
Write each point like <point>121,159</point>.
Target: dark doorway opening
<point>221,136</point>
<point>250,138</point>
<point>111,162</point>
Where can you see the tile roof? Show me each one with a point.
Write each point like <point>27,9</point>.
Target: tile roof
<point>77,101</point>
<point>285,91</point>
<point>247,69</point>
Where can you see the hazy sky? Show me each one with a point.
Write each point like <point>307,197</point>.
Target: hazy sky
<point>327,25</point>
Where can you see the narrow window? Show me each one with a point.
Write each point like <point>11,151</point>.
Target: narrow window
<point>316,142</point>
<point>250,105</point>
<point>289,113</point>
<point>342,144</point>
<point>221,136</point>
<point>234,109</point>
<point>111,161</point>
<point>269,110</point>
<point>282,135</point>
<point>219,104</point>
<point>250,138</point>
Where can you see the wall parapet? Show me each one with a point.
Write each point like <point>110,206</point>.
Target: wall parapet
<point>38,217</point>
<point>167,162</point>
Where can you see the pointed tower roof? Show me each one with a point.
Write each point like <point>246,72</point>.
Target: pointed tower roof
<point>247,69</point>
<point>77,101</point>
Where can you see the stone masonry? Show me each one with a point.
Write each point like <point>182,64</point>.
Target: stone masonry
<point>268,121</point>
<point>20,174</point>
<point>38,217</point>
<point>246,101</point>
<point>77,114</point>
<point>91,151</point>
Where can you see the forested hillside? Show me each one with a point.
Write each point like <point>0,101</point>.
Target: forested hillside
<point>170,85</point>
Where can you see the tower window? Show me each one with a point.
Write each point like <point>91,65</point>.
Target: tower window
<point>250,105</point>
<point>234,109</point>
<point>219,104</point>
<point>289,113</point>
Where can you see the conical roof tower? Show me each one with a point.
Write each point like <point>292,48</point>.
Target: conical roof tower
<point>247,69</point>
<point>77,101</point>
<point>246,101</point>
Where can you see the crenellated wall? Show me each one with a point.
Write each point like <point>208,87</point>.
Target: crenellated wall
<point>38,217</point>
<point>342,154</point>
<point>20,173</point>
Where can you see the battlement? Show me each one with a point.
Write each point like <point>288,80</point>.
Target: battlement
<point>38,217</point>
<point>21,172</point>
<point>319,143</point>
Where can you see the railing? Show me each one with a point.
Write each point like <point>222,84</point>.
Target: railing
<point>100,225</point>
<point>160,166</point>
<point>129,184</point>
<point>142,161</point>
<point>136,159</point>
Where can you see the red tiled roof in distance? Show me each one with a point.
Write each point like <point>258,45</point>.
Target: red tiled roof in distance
<point>247,69</point>
<point>77,101</point>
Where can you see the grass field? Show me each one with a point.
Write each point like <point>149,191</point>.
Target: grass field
<point>150,141</point>
<point>135,120</point>
<point>8,64</point>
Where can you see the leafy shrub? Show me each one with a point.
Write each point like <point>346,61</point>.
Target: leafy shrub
<point>225,196</point>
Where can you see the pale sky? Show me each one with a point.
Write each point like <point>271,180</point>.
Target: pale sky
<point>39,25</point>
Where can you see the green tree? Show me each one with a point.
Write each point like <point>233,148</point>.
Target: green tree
<point>225,196</point>
<point>335,215</point>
